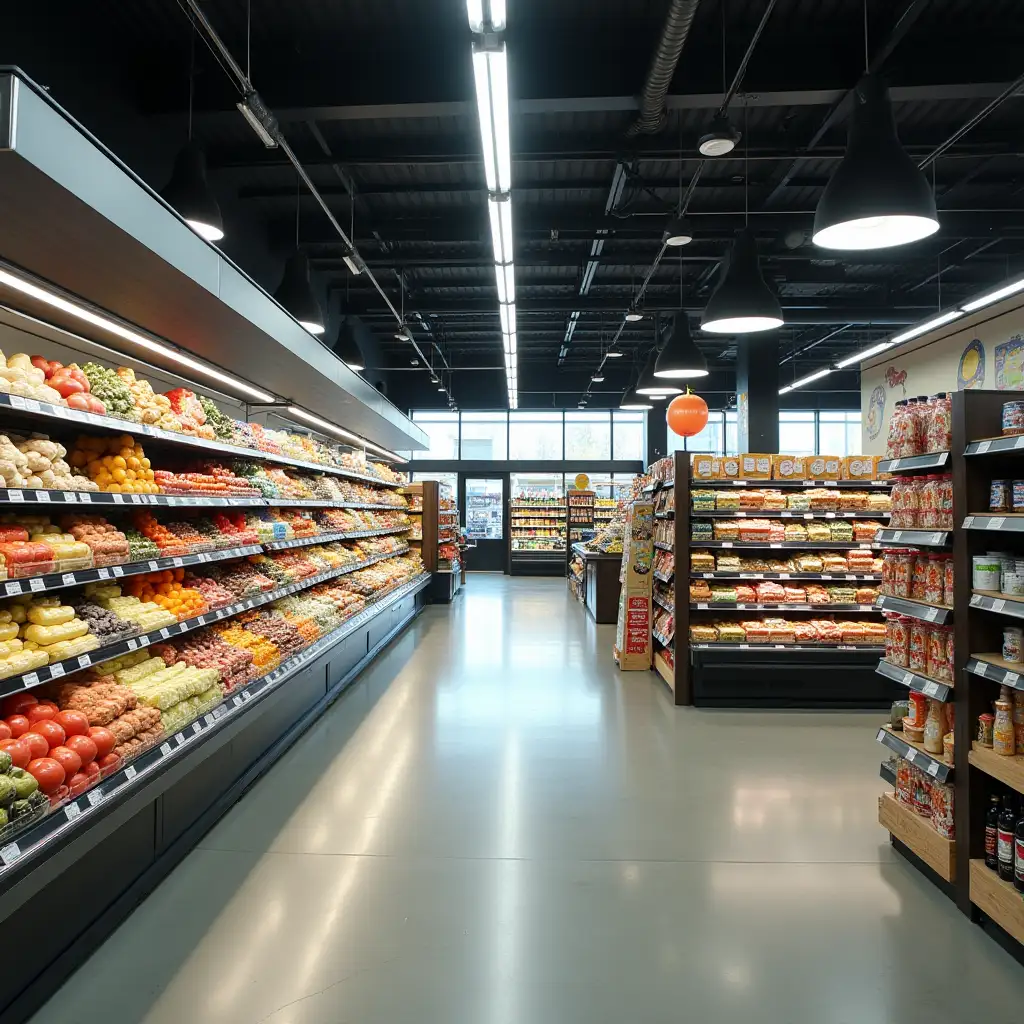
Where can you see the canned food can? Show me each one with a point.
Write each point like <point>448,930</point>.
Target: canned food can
<point>1018,495</point>
<point>1013,417</point>
<point>999,496</point>
<point>1013,642</point>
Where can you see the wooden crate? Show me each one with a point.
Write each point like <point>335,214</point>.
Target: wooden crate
<point>998,899</point>
<point>914,832</point>
<point>665,670</point>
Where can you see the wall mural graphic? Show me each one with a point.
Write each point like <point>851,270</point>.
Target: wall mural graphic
<point>1010,364</point>
<point>970,374</point>
<point>896,378</point>
<point>876,412</point>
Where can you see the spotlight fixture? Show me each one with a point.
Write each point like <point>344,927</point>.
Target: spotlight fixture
<point>678,233</point>
<point>613,353</point>
<point>295,293</point>
<point>721,140</point>
<point>597,377</point>
<point>877,197</point>
<point>440,387</point>
<point>680,358</point>
<point>741,303</point>
<point>260,119</point>
<point>190,194</point>
<point>633,314</point>
<point>403,334</point>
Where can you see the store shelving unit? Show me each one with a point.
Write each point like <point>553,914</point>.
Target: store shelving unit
<point>580,526</point>
<point>768,673</point>
<point>537,532</point>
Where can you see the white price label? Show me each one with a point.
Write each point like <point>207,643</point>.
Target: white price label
<point>177,563</point>
<point>12,588</point>
<point>31,679</point>
<point>726,543</point>
<point>164,633</point>
<point>808,515</point>
<point>775,545</point>
<point>32,405</point>
<point>165,749</point>
<point>1019,442</point>
<point>152,566</point>
<point>17,402</point>
<point>933,769</point>
<point>180,739</point>
<point>104,574</point>
<point>15,495</point>
<point>897,535</point>
<point>196,728</point>
<point>237,702</point>
<point>830,515</point>
<point>931,689</point>
<point>708,575</point>
<point>702,607</point>
<point>130,772</point>
<point>72,811</point>
<point>911,755</point>
<point>996,522</point>
<point>741,515</point>
<point>784,576</point>
<point>933,614</point>
<point>998,605</point>
<point>84,661</point>
<point>246,695</point>
<point>982,667</point>
<point>95,796</point>
<point>983,446</point>
<point>969,521</point>
<point>118,498</point>
<point>201,620</point>
<point>1011,678</point>
<point>219,712</point>
<point>35,585</point>
<point>43,497</point>
<point>824,576</point>
<point>10,853</point>
<point>908,679</point>
<point>118,571</point>
<point>133,645</point>
<point>68,579</point>
<point>56,670</point>
<point>209,719</point>
<point>85,497</point>
<point>70,497</point>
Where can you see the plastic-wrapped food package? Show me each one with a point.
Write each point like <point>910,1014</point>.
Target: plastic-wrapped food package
<point>939,435</point>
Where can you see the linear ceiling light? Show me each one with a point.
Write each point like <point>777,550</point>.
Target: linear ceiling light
<point>490,71</point>
<point>810,378</point>
<point>86,315</point>
<point>990,297</point>
<point>505,275</point>
<point>333,428</point>
<point>484,14</point>
<point>507,314</point>
<point>938,321</point>
<point>866,354</point>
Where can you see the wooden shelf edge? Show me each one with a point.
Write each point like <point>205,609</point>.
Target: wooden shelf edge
<point>998,899</point>
<point>665,670</point>
<point>1008,770</point>
<point>914,832</point>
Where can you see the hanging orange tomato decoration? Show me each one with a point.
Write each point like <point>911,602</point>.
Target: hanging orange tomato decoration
<point>687,414</point>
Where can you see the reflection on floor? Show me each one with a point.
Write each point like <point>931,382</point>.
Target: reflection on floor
<point>494,826</point>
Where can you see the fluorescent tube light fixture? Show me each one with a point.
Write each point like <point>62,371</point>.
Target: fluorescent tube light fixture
<point>490,73</point>
<point>260,119</point>
<point>938,321</point>
<point>1000,293</point>
<point>87,315</point>
<point>866,354</point>
<point>809,379</point>
<point>354,263</point>
<point>507,314</point>
<point>333,428</point>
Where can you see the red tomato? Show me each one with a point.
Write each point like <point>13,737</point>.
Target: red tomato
<point>48,773</point>
<point>95,405</point>
<point>83,747</point>
<point>41,363</point>
<point>74,723</point>
<point>50,731</point>
<point>92,769</point>
<point>36,743</point>
<point>40,712</point>
<point>19,725</point>
<point>5,730</point>
<point>60,796</point>
<point>78,784</point>
<point>105,741</point>
<point>68,760</point>
<point>81,402</point>
<point>109,764</point>
<point>17,703</point>
<point>66,386</point>
<point>20,753</point>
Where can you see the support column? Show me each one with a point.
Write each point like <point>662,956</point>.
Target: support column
<point>757,393</point>
<point>657,433</point>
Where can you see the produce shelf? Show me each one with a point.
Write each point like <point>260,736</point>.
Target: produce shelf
<point>999,900</point>
<point>993,601</point>
<point>850,485</point>
<point>328,538</point>
<point>1008,770</point>
<point>914,538</point>
<point>860,577</point>
<point>786,545</point>
<point>870,648</point>
<point>915,681</point>
<point>781,607</point>
<point>996,668</point>
<point>48,417</point>
<point>78,814</point>
<point>934,460</point>
<point>39,496</point>
<point>937,613</point>
<point>995,445</point>
<point>914,832</point>
<point>1007,522</point>
<point>786,514</point>
<point>915,754</point>
<point>13,684</point>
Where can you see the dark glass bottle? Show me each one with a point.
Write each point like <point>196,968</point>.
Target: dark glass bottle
<point>1018,852</point>
<point>1004,839</point>
<point>991,833</point>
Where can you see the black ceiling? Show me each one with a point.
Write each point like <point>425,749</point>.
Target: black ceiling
<point>376,98</point>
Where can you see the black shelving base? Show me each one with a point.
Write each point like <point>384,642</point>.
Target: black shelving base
<point>772,678</point>
<point>537,563</point>
<point>120,862</point>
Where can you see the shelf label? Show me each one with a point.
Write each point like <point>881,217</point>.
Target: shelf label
<point>177,563</point>
<point>56,670</point>
<point>130,772</point>
<point>933,614</point>
<point>969,521</point>
<point>43,496</point>
<point>196,728</point>
<point>12,588</point>
<point>897,534</point>
<point>983,446</point>
<point>118,571</point>
<point>982,667</point>
<point>180,739</point>
<point>775,545</point>
<point>15,495</point>
<point>36,585</point>
<point>165,749</point>
<point>152,566</point>
<point>85,497</point>
<point>133,645</point>
<point>31,679</point>
<point>104,574</point>
<point>998,605</point>
<point>118,498</point>
<point>996,522</point>
<point>825,577</point>
<point>784,576</point>
<point>908,679</point>
<point>9,854</point>
<point>931,689</point>
<point>70,497</point>
<point>726,543</point>
<point>68,579</point>
<point>1011,678</point>
<point>95,796</point>
<point>164,633</point>
<point>933,769</point>
<point>702,607</point>
<point>911,755</point>
<point>72,811</point>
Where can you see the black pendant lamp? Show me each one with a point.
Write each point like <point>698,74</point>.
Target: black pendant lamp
<point>295,293</point>
<point>650,386</point>
<point>742,303</point>
<point>877,196</point>
<point>346,348</point>
<point>632,401</point>
<point>680,359</point>
<point>190,194</point>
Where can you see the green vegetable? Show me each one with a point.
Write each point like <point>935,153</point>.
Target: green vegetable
<point>223,426</point>
<point>24,784</point>
<point>5,762</point>
<point>20,808</point>
<point>3,819</point>
<point>8,791</point>
<point>105,385</point>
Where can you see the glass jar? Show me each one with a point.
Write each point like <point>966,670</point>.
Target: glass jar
<point>933,728</point>
<point>919,578</point>
<point>1002,730</point>
<point>933,590</point>
<point>945,503</point>
<point>939,436</point>
<point>918,659</point>
<point>928,513</point>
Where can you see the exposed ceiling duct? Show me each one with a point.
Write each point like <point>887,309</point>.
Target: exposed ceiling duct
<point>663,67</point>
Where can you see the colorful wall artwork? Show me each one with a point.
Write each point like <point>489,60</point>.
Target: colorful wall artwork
<point>876,412</point>
<point>1010,364</point>
<point>970,374</point>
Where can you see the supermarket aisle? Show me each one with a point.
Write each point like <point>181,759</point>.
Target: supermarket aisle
<point>495,827</point>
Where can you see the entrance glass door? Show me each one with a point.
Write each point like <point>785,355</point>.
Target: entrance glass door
<point>484,504</point>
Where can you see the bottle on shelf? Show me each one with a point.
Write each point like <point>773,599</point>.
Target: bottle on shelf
<point>1005,839</point>
<point>1018,852</point>
<point>992,833</point>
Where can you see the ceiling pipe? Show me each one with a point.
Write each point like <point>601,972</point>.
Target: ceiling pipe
<point>663,66</point>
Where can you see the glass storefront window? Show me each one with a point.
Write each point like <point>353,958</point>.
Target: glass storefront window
<point>839,433</point>
<point>443,430</point>
<point>485,435</point>
<point>628,435</point>
<point>485,510</point>
<point>588,435</point>
<point>449,482</point>
<point>537,485</point>
<point>797,434</point>
<point>534,435</point>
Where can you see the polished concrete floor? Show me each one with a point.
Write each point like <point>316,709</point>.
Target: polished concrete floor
<point>496,827</point>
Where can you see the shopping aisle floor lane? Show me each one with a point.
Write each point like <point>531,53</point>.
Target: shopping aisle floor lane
<point>495,827</point>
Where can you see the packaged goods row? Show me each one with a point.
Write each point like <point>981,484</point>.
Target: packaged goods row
<point>920,426</point>
<point>121,395</point>
<point>931,800</point>
<point>857,560</point>
<point>1004,837</point>
<point>770,592</point>
<point>920,647</point>
<point>1002,729</point>
<point>918,576</point>
<point>772,630</point>
<point>751,531</point>
<point>818,499</point>
<point>922,502</point>
<point>755,466</point>
<point>62,738</point>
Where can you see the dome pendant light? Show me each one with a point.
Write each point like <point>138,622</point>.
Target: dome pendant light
<point>742,303</point>
<point>877,197</point>
<point>678,233</point>
<point>632,401</point>
<point>680,359</point>
<point>295,293</point>
<point>721,140</point>
<point>190,194</point>
<point>346,348</point>
<point>650,386</point>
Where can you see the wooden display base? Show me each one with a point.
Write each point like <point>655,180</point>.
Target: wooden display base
<point>665,670</point>
<point>998,899</point>
<point>1008,770</point>
<point>914,832</point>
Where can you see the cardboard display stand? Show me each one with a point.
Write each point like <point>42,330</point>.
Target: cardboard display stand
<point>633,628</point>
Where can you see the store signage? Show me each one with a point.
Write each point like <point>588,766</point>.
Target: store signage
<point>633,628</point>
